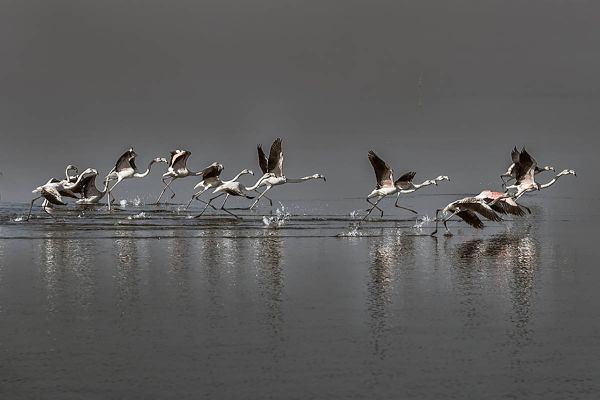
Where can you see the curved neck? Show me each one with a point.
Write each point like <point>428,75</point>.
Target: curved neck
<point>258,182</point>
<point>141,175</point>
<point>235,178</point>
<point>545,185</point>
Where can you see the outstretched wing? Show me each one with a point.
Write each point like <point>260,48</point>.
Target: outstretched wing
<point>514,154</point>
<point>480,208</point>
<point>405,181</point>
<point>125,161</point>
<point>470,218</point>
<point>383,172</point>
<point>212,171</point>
<point>179,159</point>
<point>262,160</point>
<point>525,168</point>
<point>507,206</point>
<point>275,164</point>
<point>51,194</point>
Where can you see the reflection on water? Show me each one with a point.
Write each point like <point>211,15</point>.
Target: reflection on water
<point>127,272</point>
<point>515,258</point>
<point>269,268</point>
<point>390,256</point>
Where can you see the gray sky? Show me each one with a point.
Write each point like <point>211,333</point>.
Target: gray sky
<point>81,81</point>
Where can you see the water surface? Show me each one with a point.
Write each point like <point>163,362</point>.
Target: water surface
<point>146,302</point>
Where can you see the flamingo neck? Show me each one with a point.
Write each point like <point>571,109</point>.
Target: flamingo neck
<point>142,175</point>
<point>258,182</point>
<point>300,180</point>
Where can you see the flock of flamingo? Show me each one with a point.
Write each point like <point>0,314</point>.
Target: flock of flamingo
<point>489,204</point>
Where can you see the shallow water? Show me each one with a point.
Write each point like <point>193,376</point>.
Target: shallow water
<point>147,302</point>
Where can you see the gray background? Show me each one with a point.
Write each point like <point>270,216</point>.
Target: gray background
<point>82,81</point>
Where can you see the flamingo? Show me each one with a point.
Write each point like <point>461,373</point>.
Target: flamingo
<point>125,168</point>
<point>229,188</point>
<point>86,187</point>
<point>467,209</point>
<point>177,169</point>
<point>272,169</point>
<point>513,168</point>
<point>386,185</point>
<point>502,205</point>
<point>71,178</point>
<point>52,192</point>
<point>211,178</point>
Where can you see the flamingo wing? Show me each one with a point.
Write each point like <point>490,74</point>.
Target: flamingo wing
<point>383,173</point>
<point>263,162</point>
<point>470,218</point>
<point>275,163</point>
<point>405,181</point>
<point>212,171</point>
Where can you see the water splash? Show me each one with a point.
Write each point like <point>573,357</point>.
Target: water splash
<point>141,215</point>
<point>18,219</point>
<point>136,202</point>
<point>421,222</point>
<point>353,232</point>
<point>279,219</point>
<point>355,214</point>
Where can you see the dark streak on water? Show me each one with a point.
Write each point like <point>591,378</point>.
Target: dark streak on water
<point>170,307</point>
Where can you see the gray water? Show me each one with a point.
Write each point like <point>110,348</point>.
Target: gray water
<point>100,306</point>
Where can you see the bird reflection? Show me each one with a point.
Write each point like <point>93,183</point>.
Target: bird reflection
<point>127,273</point>
<point>515,257</point>
<point>269,268</point>
<point>66,268</point>
<point>178,250</point>
<point>386,254</point>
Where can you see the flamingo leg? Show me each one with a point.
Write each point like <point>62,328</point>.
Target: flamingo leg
<point>31,207</point>
<point>208,204</point>
<point>119,179</point>
<point>437,212</point>
<point>195,196</point>
<point>396,204</point>
<point>259,197</point>
<point>268,198</point>
<point>167,186</point>
<point>226,210</point>
<point>374,206</point>
<point>446,226</point>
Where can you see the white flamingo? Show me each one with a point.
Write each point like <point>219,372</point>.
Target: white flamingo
<point>467,209</point>
<point>125,168</point>
<point>211,178</point>
<point>177,169</point>
<point>511,172</point>
<point>85,186</point>
<point>272,169</point>
<point>229,188</point>
<point>52,192</point>
<point>387,186</point>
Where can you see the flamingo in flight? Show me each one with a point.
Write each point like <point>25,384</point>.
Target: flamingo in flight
<point>229,188</point>
<point>387,186</point>
<point>524,172</point>
<point>211,178</point>
<point>516,155</point>
<point>177,169</point>
<point>125,168</point>
<point>85,186</point>
<point>467,209</point>
<point>272,169</point>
